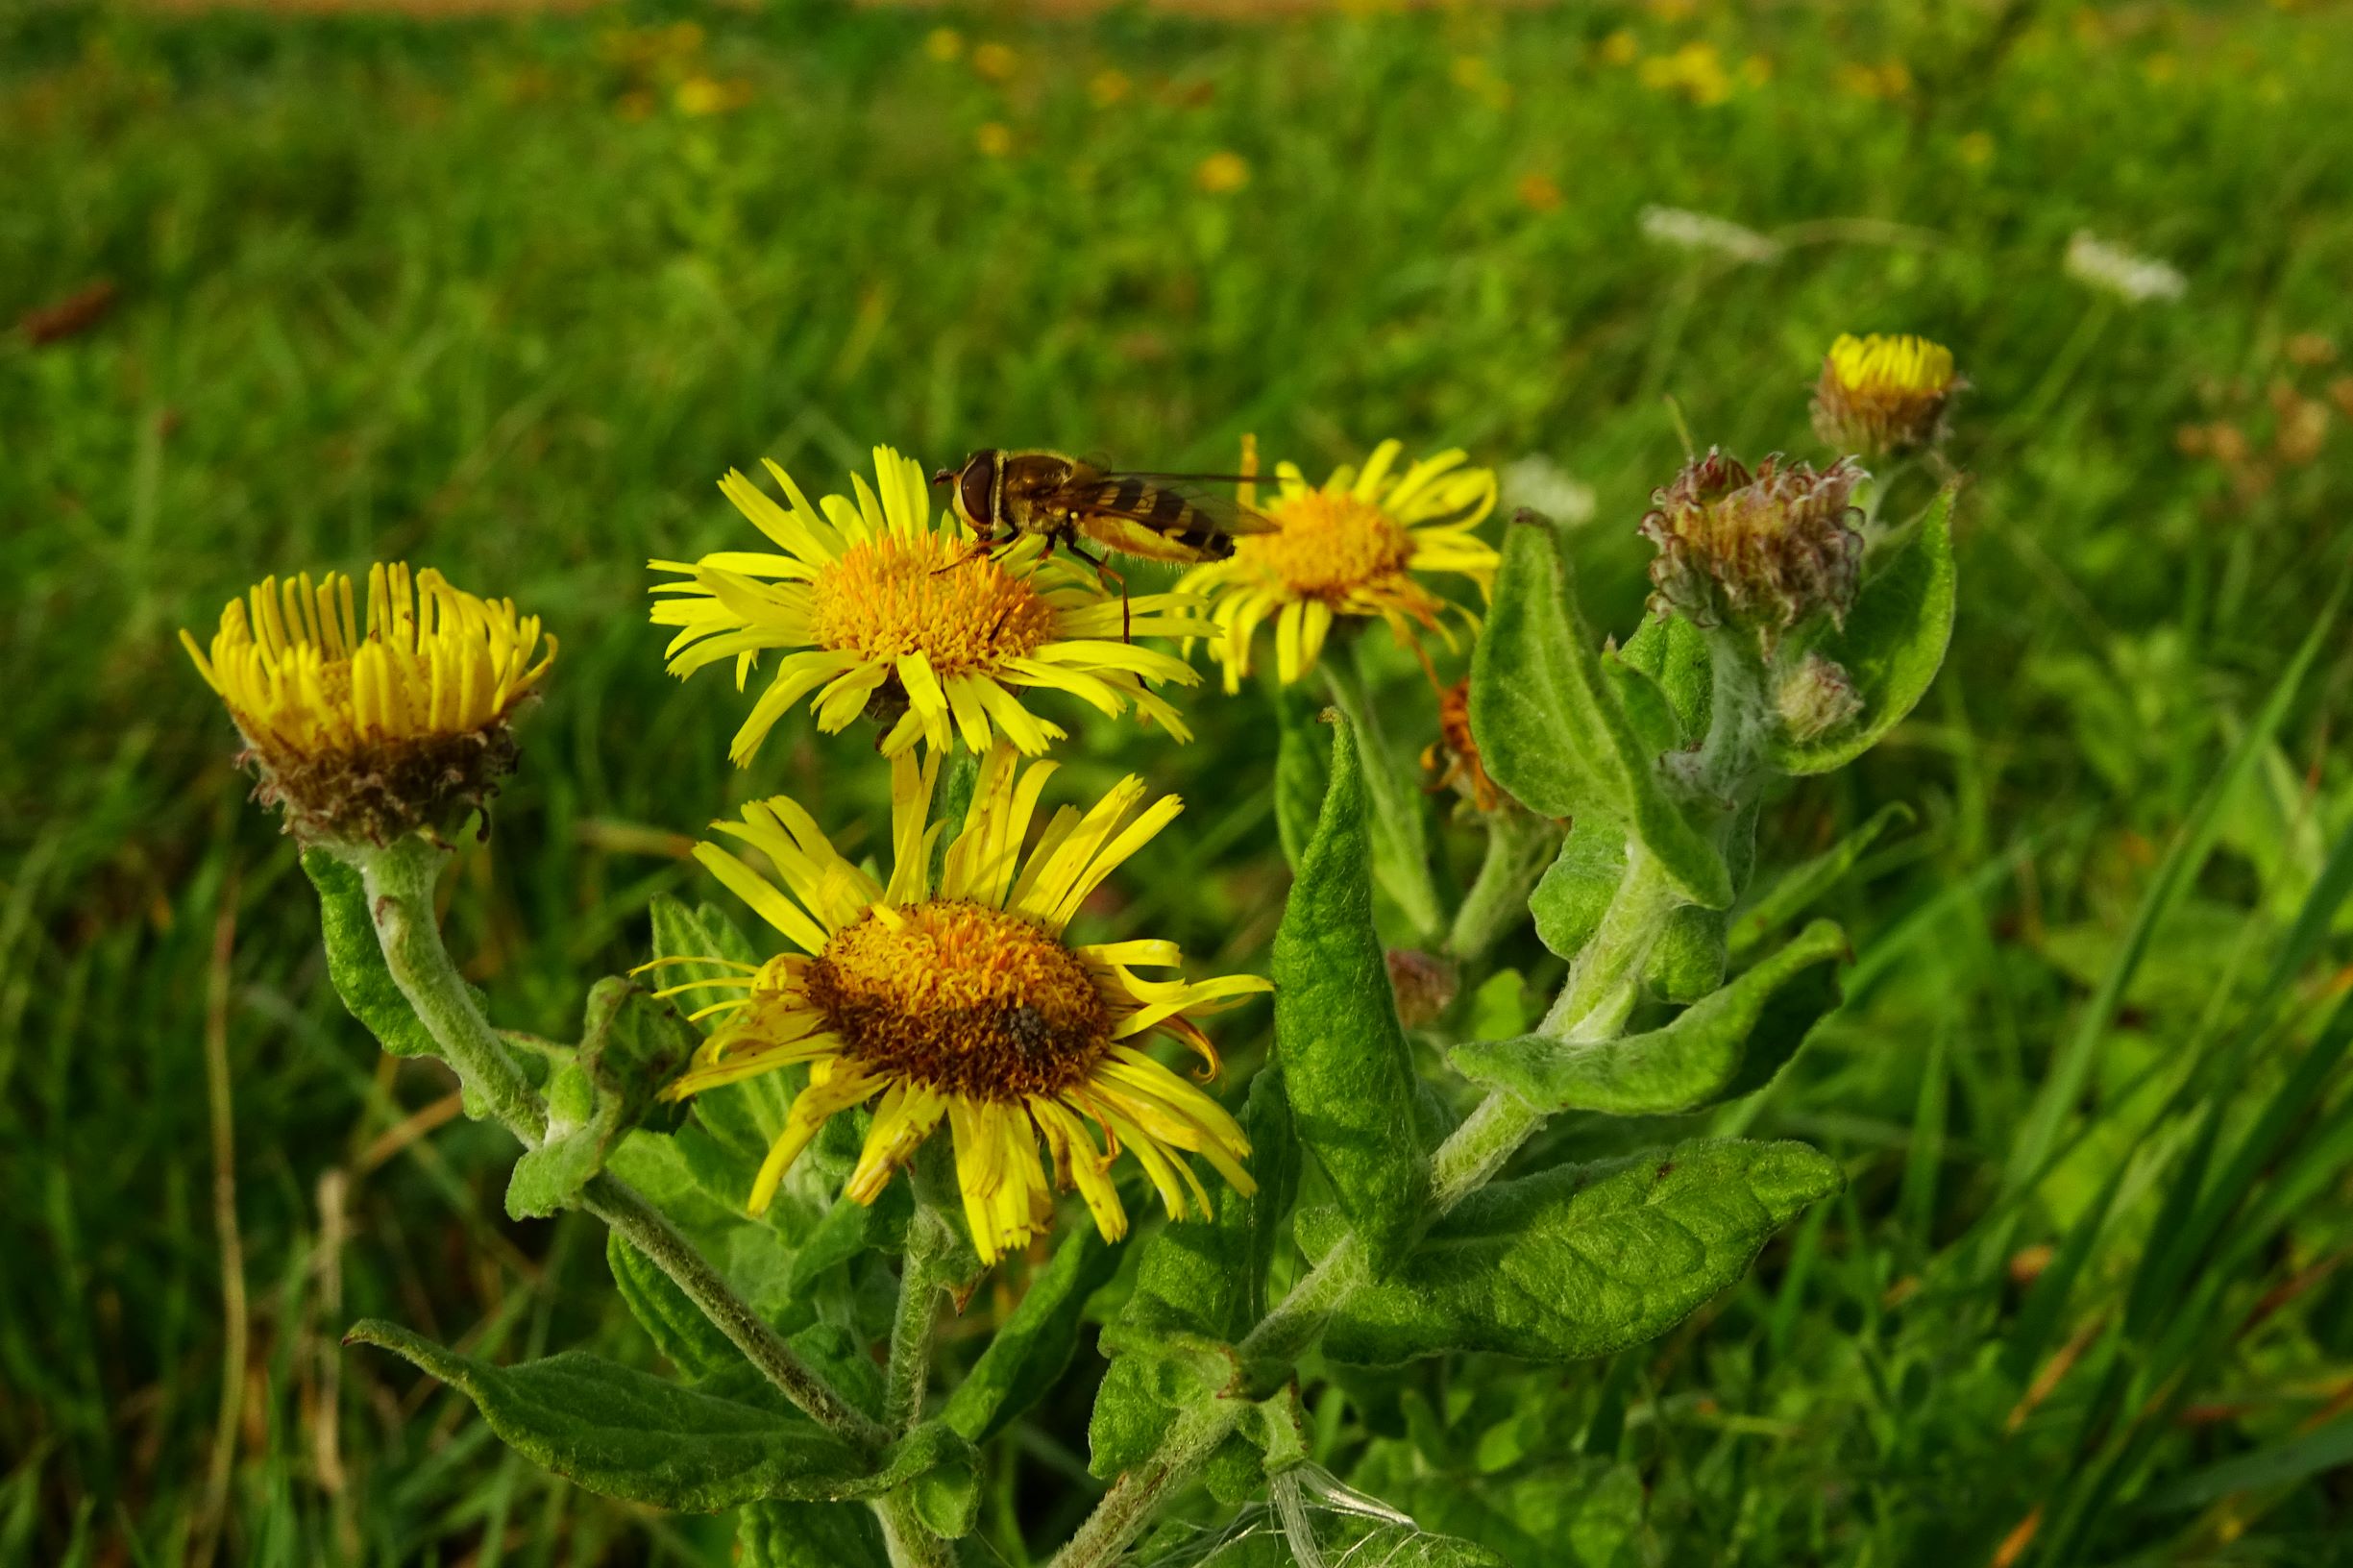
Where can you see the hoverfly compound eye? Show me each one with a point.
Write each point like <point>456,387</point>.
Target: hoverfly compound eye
<point>975,491</point>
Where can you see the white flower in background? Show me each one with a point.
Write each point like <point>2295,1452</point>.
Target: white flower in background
<point>2132,278</point>
<point>1700,231</point>
<point>1538,483</point>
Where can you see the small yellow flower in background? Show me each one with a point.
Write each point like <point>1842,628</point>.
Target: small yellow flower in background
<point>963,1003</point>
<point>1348,548</point>
<point>1755,71</point>
<point>1222,173</point>
<point>943,45</point>
<point>1107,86</point>
<point>1539,193</point>
<point>1977,149</point>
<point>887,613</point>
<point>702,95</point>
<point>1882,395</point>
<point>1475,76</point>
<point>996,62</point>
<point>1889,80</point>
<point>369,729</point>
<point>994,139</point>
<point>1696,71</point>
<point>1621,48</point>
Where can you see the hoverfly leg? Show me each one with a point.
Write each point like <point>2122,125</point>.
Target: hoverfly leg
<point>1104,577</point>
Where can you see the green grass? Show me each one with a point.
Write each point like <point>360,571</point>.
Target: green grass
<point>438,291</point>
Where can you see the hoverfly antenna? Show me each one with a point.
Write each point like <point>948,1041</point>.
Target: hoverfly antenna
<point>944,476</point>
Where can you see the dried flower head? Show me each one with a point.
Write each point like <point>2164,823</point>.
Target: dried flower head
<point>1451,760</point>
<point>1879,396</point>
<point>1815,697</point>
<point>1762,551</point>
<point>961,1002</point>
<point>363,735</point>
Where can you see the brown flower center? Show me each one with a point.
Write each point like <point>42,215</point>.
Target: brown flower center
<point>961,998</point>
<point>1329,545</point>
<point>894,595</point>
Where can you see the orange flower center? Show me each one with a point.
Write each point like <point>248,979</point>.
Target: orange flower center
<point>961,998</point>
<point>1328,544</point>
<point>892,596</point>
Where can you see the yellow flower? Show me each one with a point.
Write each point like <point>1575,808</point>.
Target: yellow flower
<point>963,1002</point>
<point>1880,395</point>
<point>1222,173</point>
<point>994,139</point>
<point>1349,547</point>
<point>944,43</point>
<point>996,62</point>
<point>887,613</point>
<point>370,734</point>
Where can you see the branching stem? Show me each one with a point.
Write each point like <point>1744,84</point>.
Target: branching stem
<point>399,884</point>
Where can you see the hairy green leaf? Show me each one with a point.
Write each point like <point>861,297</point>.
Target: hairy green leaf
<point>356,960</point>
<point>1577,1261</point>
<point>1726,1044</point>
<point>1032,1347</point>
<point>679,1331</point>
<point>1673,652</point>
<point>1346,1067</point>
<point>623,1434</point>
<point>1575,891</point>
<point>779,1535</point>
<point>630,1045</point>
<point>1199,1289</point>
<point>1891,646</point>
<point>1299,772</point>
<point>1553,731</point>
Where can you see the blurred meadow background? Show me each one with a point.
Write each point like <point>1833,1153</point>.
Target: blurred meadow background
<point>506,294</point>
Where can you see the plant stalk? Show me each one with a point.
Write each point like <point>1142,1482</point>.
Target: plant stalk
<point>1404,869</point>
<point>1520,844</point>
<point>399,883</point>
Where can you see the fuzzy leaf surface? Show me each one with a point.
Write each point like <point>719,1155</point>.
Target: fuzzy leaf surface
<point>1892,645</point>
<point>356,959</point>
<point>620,1432</point>
<point>775,1534</point>
<point>1034,1344</point>
<point>1726,1044</point>
<point>1347,1069</point>
<point>1199,1289</point>
<point>631,1044</point>
<point>1553,731</point>
<point>1577,1261</point>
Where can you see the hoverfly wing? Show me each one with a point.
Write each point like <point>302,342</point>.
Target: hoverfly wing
<point>1158,500</point>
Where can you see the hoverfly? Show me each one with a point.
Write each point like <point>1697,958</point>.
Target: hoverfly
<point>1003,495</point>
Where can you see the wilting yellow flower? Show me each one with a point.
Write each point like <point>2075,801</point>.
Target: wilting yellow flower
<point>1351,547</point>
<point>1880,395</point>
<point>368,729</point>
<point>886,614</point>
<point>963,1002</point>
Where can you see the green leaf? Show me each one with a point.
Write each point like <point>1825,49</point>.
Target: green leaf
<point>630,1045</point>
<point>1891,646</point>
<point>1400,835</point>
<point>1032,1347</point>
<point>682,933</point>
<point>679,1331</point>
<point>356,959</point>
<point>1299,772</point>
<point>1577,1261</point>
<point>1804,883</point>
<point>1722,1045</point>
<point>1551,730</point>
<point>781,1534</point>
<point>1569,901</point>
<point>623,1434</point>
<point>851,1229</point>
<point>1346,1067</point>
<point>1199,1289</point>
<point>1673,652</point>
